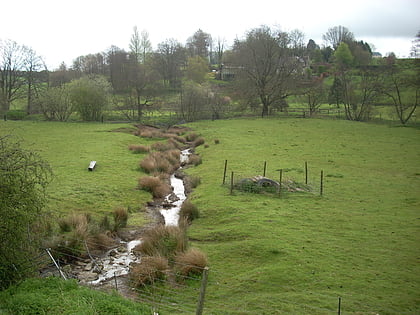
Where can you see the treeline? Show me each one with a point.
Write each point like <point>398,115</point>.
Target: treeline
<point>261,73</point>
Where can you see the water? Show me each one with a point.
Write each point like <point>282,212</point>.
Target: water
<point>117,263</point>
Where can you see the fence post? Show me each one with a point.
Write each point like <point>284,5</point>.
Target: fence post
<point>321,190</point>
<point>339,305</point>
<point>115,280</point>
<point>203,287</point>
<point>224,172</point>
<point>265,167</point>
<point>306,173</point>
<point>231,184</point>
<point>56,265</point>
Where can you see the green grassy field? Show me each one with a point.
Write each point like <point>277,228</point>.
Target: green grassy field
<point>299,253</point>
<point>69,148</point>
<point>296,254</point>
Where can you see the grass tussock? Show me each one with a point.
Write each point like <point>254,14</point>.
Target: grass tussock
<point>191,137</point>
<point>189,211</point>
<point>195,159</point>
<point>161,240</point>
<point>151,269</point>
<point>155,185</point>
<point>161,162</point>
<point>199,141</point>
<point>138,148</point>
<point>191,262</point>
<point>216,141</point>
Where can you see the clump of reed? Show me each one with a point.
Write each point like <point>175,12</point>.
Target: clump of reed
<point>155,185</point>
<point>161,162</point>
<point>191,262</point>
<point>189,211</point>
<point>138,148</point>
<point>150,270</point>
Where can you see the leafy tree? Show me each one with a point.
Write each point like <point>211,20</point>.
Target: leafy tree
<point>415,48</point>
<point>343,56</point>
<point>23,180</point>
<point>89,96</point>
<point>267,68</point>
<point>197,69</point>
<point>313,90</point>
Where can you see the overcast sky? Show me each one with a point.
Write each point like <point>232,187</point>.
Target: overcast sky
<point>63,30</point>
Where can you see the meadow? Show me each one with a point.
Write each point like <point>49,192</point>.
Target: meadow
<point>293,254</point>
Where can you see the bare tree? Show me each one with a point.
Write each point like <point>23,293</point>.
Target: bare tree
<point>140,45</point>
<point>12,63</point>
<point>337,35</point>
<point>267,68</point>
<point>36,75</point>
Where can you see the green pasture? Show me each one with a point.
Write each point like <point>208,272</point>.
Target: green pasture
<point>293,254</point>
<point>69,148</point>
<point>299,253</point>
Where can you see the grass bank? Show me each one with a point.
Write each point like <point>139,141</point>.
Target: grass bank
<point>299,253</point>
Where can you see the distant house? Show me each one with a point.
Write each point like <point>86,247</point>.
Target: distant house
<point>376,54</point>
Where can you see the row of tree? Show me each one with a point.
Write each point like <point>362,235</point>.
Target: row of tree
<point>267,67</point>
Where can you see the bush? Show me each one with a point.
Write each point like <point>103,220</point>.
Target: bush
<point>189,211</point>
<point>157,162</point>
<point>150,269</point>
<point>162,240</point>
<point>138,148</point>
<point>194,159</point>
<point>191,262</point>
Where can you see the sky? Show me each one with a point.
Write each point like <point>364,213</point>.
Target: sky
<point>61,30</point>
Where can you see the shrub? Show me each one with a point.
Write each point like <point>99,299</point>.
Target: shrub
<point>191,262</point>
<point>120,218</point>
<point>150,269</point>
<point>138,148</point>
<point>162,240</point>
<point>189,211</point>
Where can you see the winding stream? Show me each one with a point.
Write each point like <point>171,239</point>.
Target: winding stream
<point>117,261</point>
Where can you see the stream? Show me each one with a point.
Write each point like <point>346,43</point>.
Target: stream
<point>116,262</point>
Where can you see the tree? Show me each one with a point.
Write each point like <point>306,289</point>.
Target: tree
<point>343,56</point>
<point>12,63</point>
<point>89,96</point>
<point>313,90</point>
<point>34,70</point>
<point>23,179</point>
<point>197,69</point>
<point>140,45</point>
<point>402,87</point>
<point>55,103</point>
<point>267,68</point>
<point>119,63</point>
<point>415,48</point>
<point>169,60</point>
<point>337,35</point>
<point>199,44</point>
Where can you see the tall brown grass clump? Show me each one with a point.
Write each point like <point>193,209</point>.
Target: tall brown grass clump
<point>191,137</point>
<point>78,222</point>
<point>189,211</point>
<point>139,148</point>
<point>194,159</point>
<point>158,187</point>
<point>191,262</point>
<point>150,270</point>
<point>161,162</point>
<point>199,141</point>
<point>162,240</point>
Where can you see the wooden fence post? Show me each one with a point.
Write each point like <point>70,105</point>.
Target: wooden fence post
<point>224,172</point>
<point>306,173</point>
<point>339,305</point>
<point>231,184</point>
<point>265,167</point>
<point>321,190</point>
<point>203,287</point>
